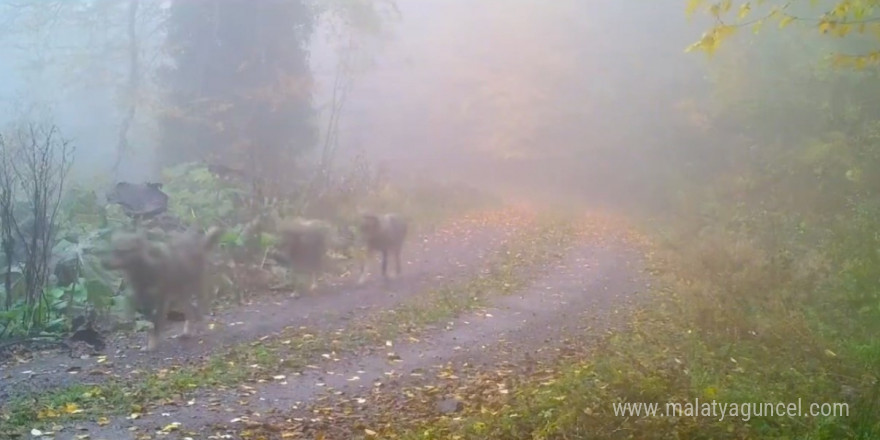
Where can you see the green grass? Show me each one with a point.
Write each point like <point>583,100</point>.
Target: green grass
<point>293,348</point>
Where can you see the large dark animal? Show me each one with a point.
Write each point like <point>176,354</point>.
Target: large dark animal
<point>383,233</point>
<point>163,275</point>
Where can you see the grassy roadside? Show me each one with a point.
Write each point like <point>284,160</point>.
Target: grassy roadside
<point>292,348</point>
<point>726,326</point>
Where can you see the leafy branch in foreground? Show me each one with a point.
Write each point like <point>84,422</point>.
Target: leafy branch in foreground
<point>844,18</point>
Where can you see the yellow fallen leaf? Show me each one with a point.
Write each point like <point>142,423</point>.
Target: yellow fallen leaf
<point>47,413</point>
<point>369,432</point>
<point>103,421</point>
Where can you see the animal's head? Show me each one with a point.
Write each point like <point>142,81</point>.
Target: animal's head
<point>127,250</point>
<point>370,224</point>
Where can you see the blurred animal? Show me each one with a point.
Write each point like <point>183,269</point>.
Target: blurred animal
<point>163,275</point>
<point>383,233</point>
<point>303,245</point>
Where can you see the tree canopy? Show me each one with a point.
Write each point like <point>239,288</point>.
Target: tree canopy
<point>857,22</point>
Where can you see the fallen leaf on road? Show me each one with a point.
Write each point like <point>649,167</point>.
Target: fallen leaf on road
<point>174,426</point>
<point>72,408</point>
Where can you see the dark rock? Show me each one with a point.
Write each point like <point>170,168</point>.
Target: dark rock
<point>145,200</point>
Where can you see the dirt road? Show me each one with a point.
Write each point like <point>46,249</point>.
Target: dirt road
<point>582,290</point>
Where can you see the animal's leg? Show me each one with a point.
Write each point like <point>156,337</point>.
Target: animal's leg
<point>314,281</point>
<point>203,300</point>
<point>158,325</point>
<point>193,310</point>
<point>385,263</point>
<point>192,315</point>
<point>366,257</point>
<point>152,340</point>
<point>397,260</point>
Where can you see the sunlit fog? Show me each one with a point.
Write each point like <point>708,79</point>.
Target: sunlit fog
<point>439,219</point>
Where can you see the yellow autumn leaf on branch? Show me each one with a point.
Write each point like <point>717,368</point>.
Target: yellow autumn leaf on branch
<point>757,26</point>
<point>710,40</point>
<point>785,21</point>
<point>726,5</point>
<point>744,10</point>
<point>722,32</point>
<point>692,7</point>
<point>841,9</point>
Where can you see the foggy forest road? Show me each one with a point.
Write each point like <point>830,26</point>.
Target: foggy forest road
<point>579,293</point>
<point>451,251</point>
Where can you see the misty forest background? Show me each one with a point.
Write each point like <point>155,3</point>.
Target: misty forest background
<point>755,172</point>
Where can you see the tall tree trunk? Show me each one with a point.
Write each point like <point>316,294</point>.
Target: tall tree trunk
<point>133,86</point>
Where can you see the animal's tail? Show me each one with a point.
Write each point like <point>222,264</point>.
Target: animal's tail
<point>212,237</point>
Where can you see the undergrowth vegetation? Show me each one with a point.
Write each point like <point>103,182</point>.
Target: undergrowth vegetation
<point>198,198</point>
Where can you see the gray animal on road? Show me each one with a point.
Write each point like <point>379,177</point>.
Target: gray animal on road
<point>383,233</point>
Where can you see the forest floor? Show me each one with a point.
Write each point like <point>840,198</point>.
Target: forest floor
<point>487,296</point>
